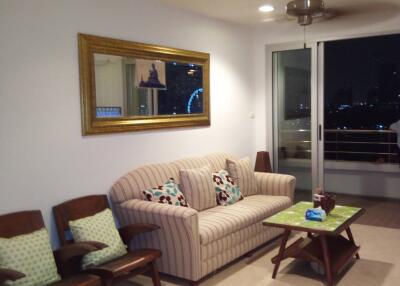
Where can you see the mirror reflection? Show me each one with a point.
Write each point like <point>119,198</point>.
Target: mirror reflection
<point>127,87</point>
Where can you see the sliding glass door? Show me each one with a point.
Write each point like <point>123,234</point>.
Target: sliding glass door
<point>361,103</point>
<point>336,105</point>
<point>295,124</point>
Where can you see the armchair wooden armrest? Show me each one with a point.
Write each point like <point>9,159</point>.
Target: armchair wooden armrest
<point>65,253</point>
<point>68,257</point>
<point>130,231</point>
<point>9,274</point>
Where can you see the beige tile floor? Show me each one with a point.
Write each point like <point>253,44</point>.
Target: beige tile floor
<point>379,265</point>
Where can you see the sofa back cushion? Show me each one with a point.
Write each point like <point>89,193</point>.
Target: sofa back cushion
<point>131,185</point>
<point>242,171</point>
<point>198,187</point>
<point>217,161</point>
<point>190,163</point>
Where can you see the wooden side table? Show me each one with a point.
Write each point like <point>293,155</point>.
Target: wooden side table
<point>324,243</point>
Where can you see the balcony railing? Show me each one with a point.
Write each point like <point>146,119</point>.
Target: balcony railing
<point>344,145</point>
<point>361,145</point>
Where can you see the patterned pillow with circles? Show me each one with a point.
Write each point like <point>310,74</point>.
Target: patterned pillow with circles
<point>169,193</point>
<point>226,189</point>
<point>32,255</point>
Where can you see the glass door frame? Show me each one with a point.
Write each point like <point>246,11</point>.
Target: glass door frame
<point>321,113</point>
<point>317,152</point>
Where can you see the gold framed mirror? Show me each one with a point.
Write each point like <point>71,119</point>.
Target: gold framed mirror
<point>128,86</point>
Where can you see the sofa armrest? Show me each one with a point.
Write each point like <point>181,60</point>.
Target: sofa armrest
<point>178,237</point>
<point>275,184</point>
<point>9,274</point>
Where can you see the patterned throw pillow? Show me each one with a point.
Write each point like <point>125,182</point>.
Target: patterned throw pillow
<point>30,254</point>
<point>198,187</point>
<point>227,191</point>
<point>168,193</point>
<point>99,227</point>
<point>242,172</point>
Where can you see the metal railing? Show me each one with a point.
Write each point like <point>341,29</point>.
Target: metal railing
<point>361,145</point>
<point>344,145</point>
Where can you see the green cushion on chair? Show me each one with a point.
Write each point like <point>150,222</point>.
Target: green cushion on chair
<point>32,255</point>
<point>99,227</point>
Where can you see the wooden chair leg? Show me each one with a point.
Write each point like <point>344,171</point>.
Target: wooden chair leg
<point>155,276</point>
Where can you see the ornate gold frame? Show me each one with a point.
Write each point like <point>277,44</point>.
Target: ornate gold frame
<point>88,45</point>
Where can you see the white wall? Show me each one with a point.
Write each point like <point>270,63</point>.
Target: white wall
<point>385,21</point>
<point>362,178</point>
<point>44,159</point>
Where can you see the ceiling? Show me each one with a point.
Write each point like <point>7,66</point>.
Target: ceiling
<point>246,11</point>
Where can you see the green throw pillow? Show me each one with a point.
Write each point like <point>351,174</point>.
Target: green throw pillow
<point>100,227</point>
<point>32,255</point>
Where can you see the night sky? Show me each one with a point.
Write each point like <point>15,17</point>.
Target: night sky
<point>363,75</point>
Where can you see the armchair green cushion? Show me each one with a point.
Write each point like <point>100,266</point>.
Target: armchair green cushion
<point>30,254</point>
<point>99,227</point>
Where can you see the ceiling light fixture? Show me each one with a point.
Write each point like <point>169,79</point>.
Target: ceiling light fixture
<point>266,8</point>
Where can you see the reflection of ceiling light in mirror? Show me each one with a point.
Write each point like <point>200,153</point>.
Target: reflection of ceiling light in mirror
<point>266,8</point>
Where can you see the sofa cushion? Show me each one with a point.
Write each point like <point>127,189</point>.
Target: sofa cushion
<point>226,189</point>
<point>198,187</point>
<point>219,221</point>
<point>169,193</point>
<point>242,171</point>
<point>190,163</point>
<point>217,161</point>
<point>223,250</point>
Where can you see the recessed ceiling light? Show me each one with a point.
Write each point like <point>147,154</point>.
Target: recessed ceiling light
<point>266,8</point>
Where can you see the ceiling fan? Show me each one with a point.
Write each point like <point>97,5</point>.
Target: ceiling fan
<point>307,10</point>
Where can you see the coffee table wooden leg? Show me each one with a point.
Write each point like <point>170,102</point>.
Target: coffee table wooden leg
<point>328,269</point>
<point>351,238</point>
<point>281,252</point>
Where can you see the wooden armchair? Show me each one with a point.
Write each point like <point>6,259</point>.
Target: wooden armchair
<point>135,262</point>
<point>26,222</point>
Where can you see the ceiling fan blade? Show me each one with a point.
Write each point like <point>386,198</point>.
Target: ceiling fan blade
<point>368,8</point>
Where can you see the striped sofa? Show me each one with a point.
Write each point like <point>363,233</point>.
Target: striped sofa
<point>196,243</point>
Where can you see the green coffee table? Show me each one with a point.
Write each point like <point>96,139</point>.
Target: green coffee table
<point>324,243</point>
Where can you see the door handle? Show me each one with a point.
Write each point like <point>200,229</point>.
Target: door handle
<point>320,132</point>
